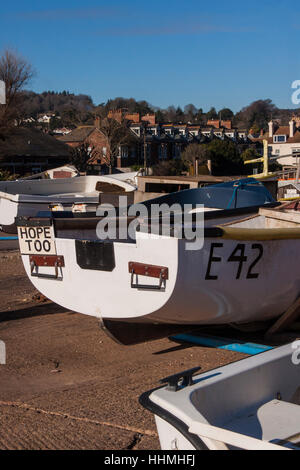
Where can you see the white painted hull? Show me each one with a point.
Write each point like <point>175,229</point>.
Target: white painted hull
<point>204,287</point>
<point>251,404</point>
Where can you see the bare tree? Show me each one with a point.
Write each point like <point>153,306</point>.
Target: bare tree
<point>195,152</point>
<point>117,134</point>
<point>81,155</point>
<point>16,73</point>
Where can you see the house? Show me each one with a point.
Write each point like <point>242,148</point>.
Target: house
<point>45,118</point>
<point>120,114</point>
<point>28,150</point>
<point>62,131</point>
<point>98,145</point>
<point>217,123</point>
<point>284,142</point>
<point>168,140</point>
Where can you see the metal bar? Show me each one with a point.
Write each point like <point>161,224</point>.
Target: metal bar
<point>37,261</point>
<point>149,270</point>
<point>224,343</point>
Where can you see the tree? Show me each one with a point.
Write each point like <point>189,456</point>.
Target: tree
<point>159,116</point>
<point>250,153</point>
<point>195,152</point>
<point>117,134</point>
<point>226,114</point>
<point>170,168</point>
<point>80,156</point>
<point>190,112</point>
<point>225,157</point>
<point>257,114</point>
<point>212,114</point>
<point>16,73</point>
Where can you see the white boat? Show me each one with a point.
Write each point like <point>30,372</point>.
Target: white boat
<point>80,194</point>
<point>253,404</point>
<point>246,272</point>
<point>66,171</point>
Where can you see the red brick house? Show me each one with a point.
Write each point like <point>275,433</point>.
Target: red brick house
<point>99,147</point>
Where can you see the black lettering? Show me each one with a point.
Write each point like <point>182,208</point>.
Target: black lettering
<point>47,233</point>
<point>29,244</point>
<point>213,259</point>
<point>241,259</point>
<point>38,246</point>
<point>23,232</point>
<point>31,232</point>
<point>260,248</point>
<point>46,246</point>
<point>39,231</point>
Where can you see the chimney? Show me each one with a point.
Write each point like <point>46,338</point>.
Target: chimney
<point>271,129</point>
<point>292,128</point>
<point>97,122</point>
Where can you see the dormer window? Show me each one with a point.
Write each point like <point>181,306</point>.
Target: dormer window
<point>277,139</point>
<point>136,130</point>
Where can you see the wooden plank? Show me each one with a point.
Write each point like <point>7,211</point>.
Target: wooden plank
<point>286,319</point>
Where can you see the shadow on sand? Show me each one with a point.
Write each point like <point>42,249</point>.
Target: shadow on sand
<point>33,311</point>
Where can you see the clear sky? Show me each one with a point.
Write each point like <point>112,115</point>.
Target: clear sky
<point>168,52</point>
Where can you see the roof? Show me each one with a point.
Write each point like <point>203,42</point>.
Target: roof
<point>23,141</point>
<point>281,130</point>
<point>78,135</point>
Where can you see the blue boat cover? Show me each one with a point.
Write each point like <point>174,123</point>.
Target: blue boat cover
<point>245,192</point>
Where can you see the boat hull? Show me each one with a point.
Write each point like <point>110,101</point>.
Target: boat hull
<point>227,281</point>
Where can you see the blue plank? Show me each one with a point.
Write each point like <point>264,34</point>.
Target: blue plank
<point>8,238</point>
<point>224,343</point>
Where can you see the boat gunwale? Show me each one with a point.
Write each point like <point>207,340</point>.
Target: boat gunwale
<point>167,416</point>
<point>86,221</point>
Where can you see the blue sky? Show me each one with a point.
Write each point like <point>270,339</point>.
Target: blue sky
<point>222,54</point>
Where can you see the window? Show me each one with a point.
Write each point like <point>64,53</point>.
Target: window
<point>279,138</point>
<point>124,152</point>
<point>136,130</point>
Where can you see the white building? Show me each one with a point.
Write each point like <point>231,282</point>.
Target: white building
<point>284,142</point>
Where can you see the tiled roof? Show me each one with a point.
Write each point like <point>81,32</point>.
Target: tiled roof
<point>23,141</point>
<point>77,135</point>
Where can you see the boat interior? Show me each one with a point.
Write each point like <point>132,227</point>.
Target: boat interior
<point>257,398</point>
<point>260,401</point>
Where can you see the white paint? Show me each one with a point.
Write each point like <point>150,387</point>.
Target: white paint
<point>28,197</point>
<point>236,403</point>
<point>36,240</point>
<point>191,296</point>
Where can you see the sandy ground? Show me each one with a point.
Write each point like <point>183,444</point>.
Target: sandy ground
<point>66,385</point>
